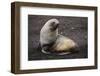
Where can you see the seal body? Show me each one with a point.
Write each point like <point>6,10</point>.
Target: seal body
<point>52,42</point>
<point>64,45</point>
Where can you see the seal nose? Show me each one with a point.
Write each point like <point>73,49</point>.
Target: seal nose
<point>56,25</point>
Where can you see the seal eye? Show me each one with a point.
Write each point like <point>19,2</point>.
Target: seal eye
<point>52,24</point>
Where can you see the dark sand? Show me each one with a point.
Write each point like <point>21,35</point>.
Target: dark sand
<point>72,27</point>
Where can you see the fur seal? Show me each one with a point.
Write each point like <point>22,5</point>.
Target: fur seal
<point>52,42</point>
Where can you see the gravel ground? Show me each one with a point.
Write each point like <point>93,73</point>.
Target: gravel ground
<point>72,27</point>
